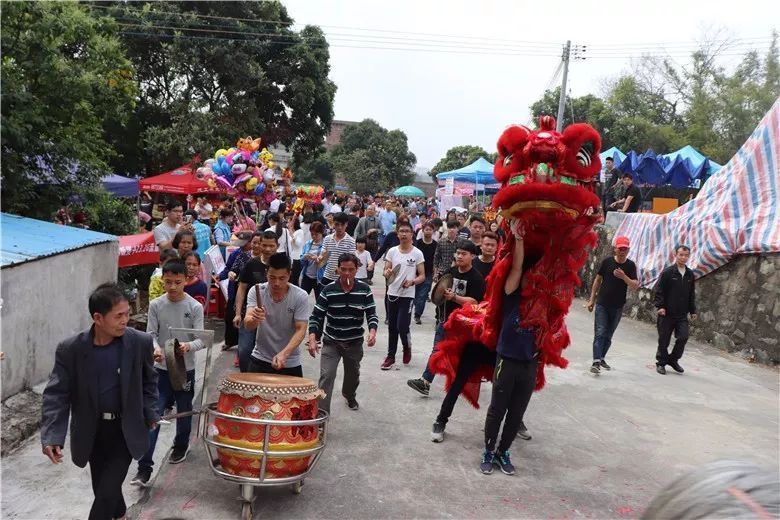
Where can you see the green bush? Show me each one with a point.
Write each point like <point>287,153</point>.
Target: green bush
<point>108,214</point>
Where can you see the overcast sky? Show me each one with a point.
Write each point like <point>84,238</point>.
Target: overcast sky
<point>467,96</point>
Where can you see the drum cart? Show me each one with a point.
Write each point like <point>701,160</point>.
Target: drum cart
<point>247,484</point>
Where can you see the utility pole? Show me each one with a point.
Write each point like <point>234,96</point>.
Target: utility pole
<point>562,98</point>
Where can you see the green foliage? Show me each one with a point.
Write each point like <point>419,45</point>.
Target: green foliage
<point>458,157</point>
<point>108,214</point>
<point>372,158</point>
<point>663,106</point>
<point>66,80</point>
<point>206,81</point>
<point>317,169</point>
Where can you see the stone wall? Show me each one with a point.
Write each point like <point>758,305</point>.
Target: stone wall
<point>738,304</point>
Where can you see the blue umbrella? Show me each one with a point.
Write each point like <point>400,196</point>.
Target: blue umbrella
<point>409,191</point>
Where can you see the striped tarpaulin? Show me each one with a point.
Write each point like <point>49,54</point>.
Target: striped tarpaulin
<point>736,212</point>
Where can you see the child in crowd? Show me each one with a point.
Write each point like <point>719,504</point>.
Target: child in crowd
<point>364,256</point>
<point>156,288</point>
<point>174,309</point>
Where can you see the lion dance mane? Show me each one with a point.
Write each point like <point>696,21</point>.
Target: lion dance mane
<point>547,184</point>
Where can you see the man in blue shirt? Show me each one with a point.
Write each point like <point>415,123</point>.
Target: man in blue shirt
<point>202,233</point>
<point>222,230</point>
<point>515,375</point>
<point>387,218</point>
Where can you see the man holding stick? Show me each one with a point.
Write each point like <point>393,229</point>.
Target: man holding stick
<point>280,312</point>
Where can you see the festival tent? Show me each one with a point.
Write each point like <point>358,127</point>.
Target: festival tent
<point>696,158</point>
<point>478,172</point>
<point>613,153</point>
<point>181,181</point>
<point>735,213</point>
<point>120,186</point>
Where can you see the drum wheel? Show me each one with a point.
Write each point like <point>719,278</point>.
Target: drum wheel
<point>247,511</point>
<point>297,487</point>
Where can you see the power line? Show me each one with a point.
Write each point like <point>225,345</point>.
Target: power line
<point>418,49</point>
<point>377,40</point>
<point>290,24</point>
<point>598,48</point>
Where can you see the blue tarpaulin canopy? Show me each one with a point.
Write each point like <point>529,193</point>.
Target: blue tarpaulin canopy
<point>479,172</point>
<point>696,158</point>
<point>120,186</point>
<point>613,153</point>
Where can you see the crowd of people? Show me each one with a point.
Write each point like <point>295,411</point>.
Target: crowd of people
<point>273,261</point>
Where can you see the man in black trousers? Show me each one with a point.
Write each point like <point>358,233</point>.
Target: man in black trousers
<point>675,299</point>
<point>103,378</point>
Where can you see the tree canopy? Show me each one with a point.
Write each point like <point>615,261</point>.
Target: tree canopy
<point>664,106</point>
<point>66,81</point>
<point>210,72</point>
<point>372,158</point>
<point>460,156</point>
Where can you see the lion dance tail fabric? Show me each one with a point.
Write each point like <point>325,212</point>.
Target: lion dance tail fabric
<point>547,190</point>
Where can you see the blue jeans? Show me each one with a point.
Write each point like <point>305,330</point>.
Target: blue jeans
<point>421,295</point>
<point>606,321</point>
<point>246,344</point>
<point>183,399</point>
<point>437,337</point>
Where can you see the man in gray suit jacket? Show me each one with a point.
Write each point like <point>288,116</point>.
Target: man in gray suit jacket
<point>105,379</point>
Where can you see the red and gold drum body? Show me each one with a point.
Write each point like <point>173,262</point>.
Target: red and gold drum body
<point>266,396</point>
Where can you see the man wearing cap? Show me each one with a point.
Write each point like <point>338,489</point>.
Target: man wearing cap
<point>608,295</point>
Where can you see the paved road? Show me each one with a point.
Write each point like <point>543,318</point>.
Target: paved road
<point>601,448</point>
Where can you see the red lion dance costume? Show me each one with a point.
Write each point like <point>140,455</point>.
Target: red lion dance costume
<point>547,189</point>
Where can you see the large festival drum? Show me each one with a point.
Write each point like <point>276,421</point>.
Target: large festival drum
<point>266,396</point>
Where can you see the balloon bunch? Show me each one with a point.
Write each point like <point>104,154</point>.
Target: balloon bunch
<point>246,169</point>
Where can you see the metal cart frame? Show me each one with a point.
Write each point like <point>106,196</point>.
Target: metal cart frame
<point>247,484</point>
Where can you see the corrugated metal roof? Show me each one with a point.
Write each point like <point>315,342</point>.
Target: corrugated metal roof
<point>24,239</point>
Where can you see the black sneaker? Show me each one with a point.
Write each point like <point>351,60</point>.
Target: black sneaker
<point>142,477</point>
<point>417,320</point>
<point>421,385</point>
<point>502,461</point>
<point>604,365</point>
<point>677,368</point>
<point>352,403</point>
<point>523,432</point>
<point>595,367</point>
<point>178,454</point>
<point>437,435</point>
<point>660,369</point>
<point>486,466</point>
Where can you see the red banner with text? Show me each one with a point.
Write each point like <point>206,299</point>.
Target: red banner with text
<point>138,250</point>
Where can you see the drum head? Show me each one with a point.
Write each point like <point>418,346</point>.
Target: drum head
<point>269,380</point>
<point>444,283</point>
<point>393,274</point>
<point>177,371</point>
<point>270,386</point>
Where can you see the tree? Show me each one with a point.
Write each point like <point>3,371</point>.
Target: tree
<point>210,72</point>
<point>664,106</point>
<point>458,157</point>
<point>66,80</point>
<point>108,214</point>
<point>369,150</point>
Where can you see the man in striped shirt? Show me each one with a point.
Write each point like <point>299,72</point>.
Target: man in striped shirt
<point>343,302</point>
<point>333,246</point>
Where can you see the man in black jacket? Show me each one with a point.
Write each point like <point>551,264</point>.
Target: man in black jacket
<point>675,299</point>
<point>104,378</point>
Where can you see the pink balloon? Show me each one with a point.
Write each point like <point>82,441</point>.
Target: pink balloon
<point>221,181</point>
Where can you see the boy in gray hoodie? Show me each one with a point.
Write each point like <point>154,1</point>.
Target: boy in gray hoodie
<point>174,309</point>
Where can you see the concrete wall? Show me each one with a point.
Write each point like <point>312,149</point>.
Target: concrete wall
<point>44,302</point>
<point>738,304</point>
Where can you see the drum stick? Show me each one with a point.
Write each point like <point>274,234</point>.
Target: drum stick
<point>257,297</point>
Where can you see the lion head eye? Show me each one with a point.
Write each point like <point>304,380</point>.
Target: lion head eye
<point>585,154</point>
<point>507,160</point>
